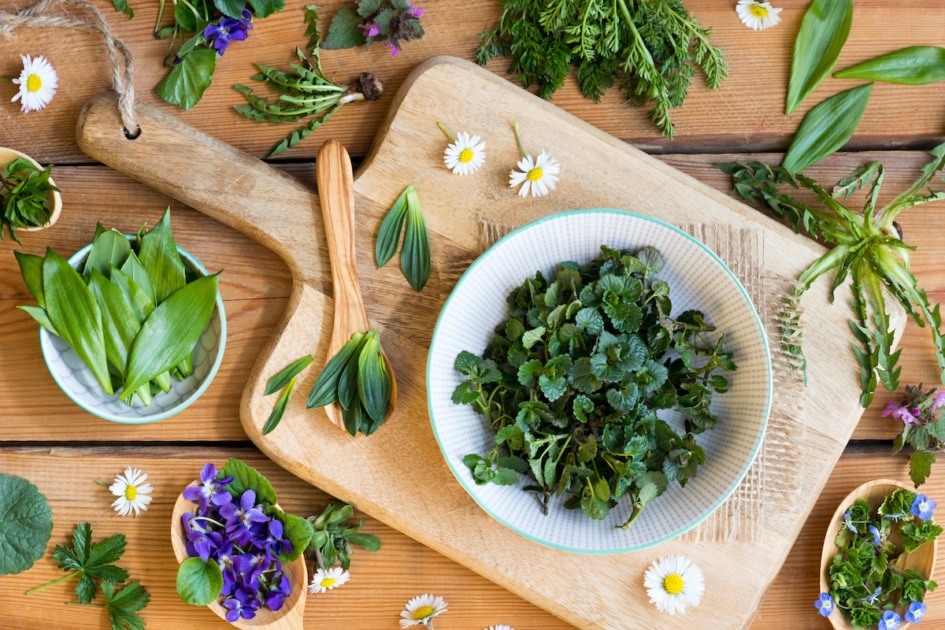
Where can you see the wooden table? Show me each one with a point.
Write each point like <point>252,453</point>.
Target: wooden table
<point>63,450</point>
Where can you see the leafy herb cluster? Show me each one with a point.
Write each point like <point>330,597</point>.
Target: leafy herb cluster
<point>387,21</point>
<point>867,247</point>
<point>572,384</point>
<point>868,576</point>
<point>304,92</point>
<point>133,316</point>
<point>23,191</point>
<point>922,414</point>
<point>331,543</point>
<point>94,565</point>
<point>25,524</point>
<point>650,49</point>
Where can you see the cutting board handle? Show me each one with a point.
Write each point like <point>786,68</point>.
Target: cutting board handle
<point>233,187</point>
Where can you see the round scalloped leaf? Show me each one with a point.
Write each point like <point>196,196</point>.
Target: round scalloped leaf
<point>25,524</point>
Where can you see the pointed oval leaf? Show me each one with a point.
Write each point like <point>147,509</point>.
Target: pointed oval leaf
<point>171,331</point>
<point>388,236</point>
<point>110,248</point>
<point>916,65</point>
<point>824,30</point>
<point>827,127</point>
<point>120,326</point>
<point>39,314</point>
<point>325,389</point>
<point>74,313</point>
<point>136,271</point>
<point>287,374</point>
<point>31,268</point>
<point>415,254</point>
<point>159,256</point>
<point>374,384</point>
<point>278,409</point>
<point>140,303</point>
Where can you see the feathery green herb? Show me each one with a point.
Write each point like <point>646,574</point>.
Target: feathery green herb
<point>867,248</point>
<point>649,49</point>
<point>23,192</point>
<point>573,382</point>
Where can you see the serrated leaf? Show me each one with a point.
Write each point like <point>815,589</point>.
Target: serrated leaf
<point>123,606</point>
<point>245,477</point>
<point>344,31</point>
<point>920,466</point>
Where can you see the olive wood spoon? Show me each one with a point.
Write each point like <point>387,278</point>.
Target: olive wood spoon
<point>335,182</point>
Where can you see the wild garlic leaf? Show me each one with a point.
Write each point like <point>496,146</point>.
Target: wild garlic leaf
<point>824,30</point>
<point>826,128</point>
<point>110,248</point>
<point>159,256</point>
<point>31,268</point>
<point>120,325</point>
<point>91,561</point>
<point>136,271</point>
<point>124,605</point>
<point>25,524</point>
<point>915,65</point>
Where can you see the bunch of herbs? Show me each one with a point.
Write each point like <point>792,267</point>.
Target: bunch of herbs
<point>869,575</point>
<point>922,415</point>
<point>650,49</point>
<point>133,316</point>
<point>334,535</point>
<point>573,382</point>
<point>23,196</point>
<point>389,21</point>
<point>867,248</point>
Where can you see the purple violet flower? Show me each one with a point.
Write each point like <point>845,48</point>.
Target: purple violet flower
<point>274,543</point>
<point>228,30</point>
<point>279,591</point>
<point>922,507</point>
<point>210,490</point>
<point>242,604</point>
<point>241,521</point>
<point>205,542</point>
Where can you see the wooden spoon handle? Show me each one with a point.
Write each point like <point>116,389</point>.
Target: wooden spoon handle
<point>336,193</point>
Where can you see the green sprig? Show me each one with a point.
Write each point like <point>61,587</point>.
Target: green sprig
<point>23,196</point>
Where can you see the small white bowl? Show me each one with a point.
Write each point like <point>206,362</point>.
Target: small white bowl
<point>78,383</point>
<point>698,280</point>
<point>53,198</point>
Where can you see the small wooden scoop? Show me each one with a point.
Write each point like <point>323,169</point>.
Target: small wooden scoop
<point>335,181</point>
<point>289,617</point>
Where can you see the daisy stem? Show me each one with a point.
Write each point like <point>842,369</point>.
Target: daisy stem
<point>43,587</point>
<point>446,132</point>
<point>518,139</point>
<point>101,483</point>
<point>318,559</point>
<point>7,79</point>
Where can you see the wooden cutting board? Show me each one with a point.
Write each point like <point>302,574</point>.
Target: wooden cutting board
<point>398,474</point>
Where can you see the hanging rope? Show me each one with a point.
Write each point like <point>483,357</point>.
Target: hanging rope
<point>43,15</point>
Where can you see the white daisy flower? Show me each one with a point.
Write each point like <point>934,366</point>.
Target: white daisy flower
<point>324,580</point>
<point>38,82</point>
<point>132,492</point>
<point>465,154</point>
<point>674,583</point>
<point>757,14</point>
<point>421,610</point>
<point>536,176</point>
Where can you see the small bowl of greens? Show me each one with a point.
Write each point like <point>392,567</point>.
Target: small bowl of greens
<point>29,199</point>
<point>599,381</point>
<point>132,327</point>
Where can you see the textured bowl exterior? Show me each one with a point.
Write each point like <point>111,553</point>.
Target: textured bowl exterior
<point>78,383</point>
<point>698,280</point>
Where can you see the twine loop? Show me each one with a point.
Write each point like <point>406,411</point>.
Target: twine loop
<point>44,14</point>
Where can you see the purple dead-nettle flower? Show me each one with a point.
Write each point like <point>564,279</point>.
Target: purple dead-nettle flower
<point>210,489</point>
<point>392,22</point>
<point>939,401</point>
<point>902,413</point>
<point>227,30</point>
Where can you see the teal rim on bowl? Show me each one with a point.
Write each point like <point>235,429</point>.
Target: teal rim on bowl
<point>78,383</point>
<point>698,279</point>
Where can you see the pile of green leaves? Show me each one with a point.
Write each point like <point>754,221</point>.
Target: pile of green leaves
<point>23,192</point>
<point>867,248</point>
<point>389,21</point>
<point>415,252</point>
<point>304,92</point>
<point>572,384</point>
<point>357,379</point>
<point>94,565</point>
<point>25,524</point>
<point>334,536</point>
<point>648,48</point>
<point>133,315</point>
<point>866,577</point>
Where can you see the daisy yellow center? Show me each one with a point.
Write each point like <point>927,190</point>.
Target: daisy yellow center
<point>758,11</point>
<point>673,584</point>
<point>535,174</point>
<point>466,156</point>
<point>422,613</point>
<point>328,582</point>
<point>131,493</point>
<point>34,83</point>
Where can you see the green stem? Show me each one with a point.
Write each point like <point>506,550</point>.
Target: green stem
<point>6,79</point>
<point>64,578</point>
<point>518,139</point>
<point>446,131</point>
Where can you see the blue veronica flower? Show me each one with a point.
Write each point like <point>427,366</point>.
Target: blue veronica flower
<point>923,507</point>
<point>916,612</point>
<point>875,532</point>
<point>824,604</point>
<point>890,621</point>
<point>872,598</point>
<point>848,523</point>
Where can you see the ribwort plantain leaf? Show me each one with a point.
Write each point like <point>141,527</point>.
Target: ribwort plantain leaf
<point>159,256</point>
<point>325,389</point>
<point>824,30</point>
<point>279,409</point>
<point>415,254</point>
<point>388,236</point>
<point>171,331</point>
<point>916,65</point>
<point>110,248</point>
<point>74,313</point>
<point>353,417</point>
<point>348,381</point>
<point>288,373</point>
<point>374,384</point>
<point>826,128</point>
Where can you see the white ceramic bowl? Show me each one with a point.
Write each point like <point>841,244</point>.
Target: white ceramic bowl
<point>78,383</point>
<point>698,280</point>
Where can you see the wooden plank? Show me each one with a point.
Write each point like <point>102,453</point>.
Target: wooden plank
<point>381,583</point>
<point>746,114</point>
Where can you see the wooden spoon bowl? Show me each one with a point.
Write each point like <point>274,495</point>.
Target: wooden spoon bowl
<point>874,492</point>
<point>336,194</point>
<point>289,617</point>
<point>53,198</point>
